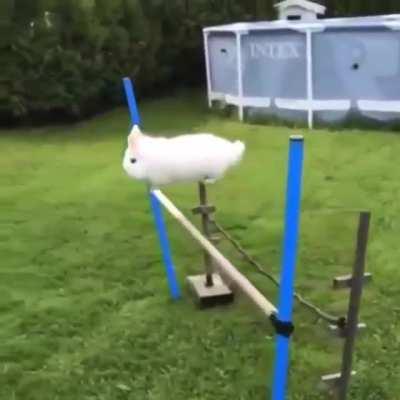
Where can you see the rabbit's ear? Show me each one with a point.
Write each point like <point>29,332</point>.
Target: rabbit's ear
<point>133,138</point>
<point>133,143</point>
<point>136,130</point>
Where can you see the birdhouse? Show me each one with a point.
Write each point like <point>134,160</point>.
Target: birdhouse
<point>299,10</point>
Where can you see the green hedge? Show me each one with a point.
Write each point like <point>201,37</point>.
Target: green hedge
<point>64,59</point>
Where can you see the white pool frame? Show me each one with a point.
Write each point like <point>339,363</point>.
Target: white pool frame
<point>310,105</point>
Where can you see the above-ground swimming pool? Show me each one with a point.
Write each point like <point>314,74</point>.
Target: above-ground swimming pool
<point>327,70</point>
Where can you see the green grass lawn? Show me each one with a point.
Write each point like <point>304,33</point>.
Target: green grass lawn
<point>84,306</point>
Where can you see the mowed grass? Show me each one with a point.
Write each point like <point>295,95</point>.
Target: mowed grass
<point>84,305</point>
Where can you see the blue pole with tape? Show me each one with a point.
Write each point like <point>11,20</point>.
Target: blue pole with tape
<point>155,204</point>
<point>290,244</point>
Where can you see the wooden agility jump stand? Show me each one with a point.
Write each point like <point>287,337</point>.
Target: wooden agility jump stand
<point>209,289</point>
<point>342,379</point>
<point>281,318</point>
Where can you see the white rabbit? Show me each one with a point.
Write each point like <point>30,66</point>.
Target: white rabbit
<point>186,158</point>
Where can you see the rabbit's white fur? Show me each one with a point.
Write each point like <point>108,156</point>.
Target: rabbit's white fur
<point>186,158</point>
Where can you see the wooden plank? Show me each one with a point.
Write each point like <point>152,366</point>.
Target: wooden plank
<point>222,264</point>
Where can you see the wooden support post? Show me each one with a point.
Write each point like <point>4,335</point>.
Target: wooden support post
<point>341,381</point>
<point>354,304</point>
<point>209,289</point>
<point>205,222</point>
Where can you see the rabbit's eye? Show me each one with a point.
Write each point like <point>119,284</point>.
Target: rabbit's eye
<point>133,160</point>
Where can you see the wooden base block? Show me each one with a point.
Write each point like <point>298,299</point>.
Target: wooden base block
<point>210,296</point>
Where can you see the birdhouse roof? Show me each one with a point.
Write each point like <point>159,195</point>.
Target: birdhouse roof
<point>305,4</point>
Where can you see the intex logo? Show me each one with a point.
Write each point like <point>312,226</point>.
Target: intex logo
<point>276,51</point>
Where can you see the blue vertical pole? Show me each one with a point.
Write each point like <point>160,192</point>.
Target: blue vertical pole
<point>131,99</point>
<point>155,204</point>
<point>164,243</point>
<point>286,295</point>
